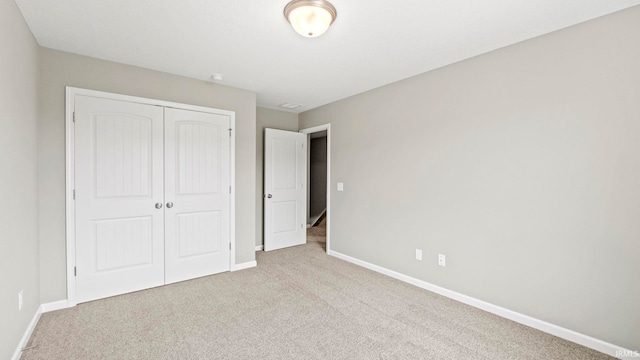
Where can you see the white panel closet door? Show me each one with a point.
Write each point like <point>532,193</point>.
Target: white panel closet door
<point>197,180</point>
<point>285,176</point>
<point>119,185</point>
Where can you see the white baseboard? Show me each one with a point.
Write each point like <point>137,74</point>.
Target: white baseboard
<point>27,334</point>
<point>259,248</point>
<point>53,306</point>
<point>585,340</point>
<point>243,266</point>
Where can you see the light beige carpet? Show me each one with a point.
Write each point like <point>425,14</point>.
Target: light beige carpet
<point>318,232</point>
<point>298,303</point>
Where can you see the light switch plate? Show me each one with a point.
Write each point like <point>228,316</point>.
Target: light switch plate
<point>340,187</point>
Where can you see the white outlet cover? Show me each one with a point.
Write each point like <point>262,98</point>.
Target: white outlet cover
<point>340,187</point>
<point>418,254</point>
<point>442,260</point>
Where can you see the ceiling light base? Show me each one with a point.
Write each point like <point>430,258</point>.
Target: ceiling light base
<point>310,18</point>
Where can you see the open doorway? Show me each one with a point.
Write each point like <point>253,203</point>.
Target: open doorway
<point>317,177</point>
<point>318,180</point>
<point>317,188</point>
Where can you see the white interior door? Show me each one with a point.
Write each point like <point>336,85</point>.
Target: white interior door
<point>119,197</point>
<point>197,194</point>
<point>285,176</point>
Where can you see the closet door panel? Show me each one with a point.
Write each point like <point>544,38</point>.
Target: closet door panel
<point>197,159</point>
<point>119,181</point>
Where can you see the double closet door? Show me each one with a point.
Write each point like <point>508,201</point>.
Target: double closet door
<point>151,195</point>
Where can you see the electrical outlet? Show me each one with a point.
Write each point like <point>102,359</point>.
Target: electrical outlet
<point>442,260</point>
<point>20,300</point>
<point>419,254</point>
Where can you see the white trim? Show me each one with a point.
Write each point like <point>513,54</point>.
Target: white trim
<point>53,306</point>
<point>71,93</point>
<point>70,209</point>
<point>585,340</point>
<point>314,129</point>
<point>27,334</point>
<point>259,247</point>
<point>146,101</point>
<point>246,265</point>
<point>232,198</point>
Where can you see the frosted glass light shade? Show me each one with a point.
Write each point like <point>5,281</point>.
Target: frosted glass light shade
<point>310,18</point>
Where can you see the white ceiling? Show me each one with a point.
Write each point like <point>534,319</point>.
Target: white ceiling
<point>372,42</point>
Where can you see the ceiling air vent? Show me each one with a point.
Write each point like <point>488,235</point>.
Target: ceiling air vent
<point>290,106</point>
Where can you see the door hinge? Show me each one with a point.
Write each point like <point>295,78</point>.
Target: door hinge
<point>75,272</point>
<point>229,189</point>
<point>74,116</point>
<point>74,194</point>
<point>229,246</point>
<point>229,132</point>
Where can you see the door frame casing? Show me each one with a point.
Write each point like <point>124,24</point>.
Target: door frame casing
<point>70,210</point>
<point>309,131</point>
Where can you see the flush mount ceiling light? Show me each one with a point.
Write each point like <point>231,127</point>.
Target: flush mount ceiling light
<point>310,18</point>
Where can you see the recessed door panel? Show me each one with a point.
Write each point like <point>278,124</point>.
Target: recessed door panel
<point>123,243</point>
<point>198,157</point>
<point>285,216</point>
<point>284,161</point>
<point>196,234</point>
<point>122,155</point>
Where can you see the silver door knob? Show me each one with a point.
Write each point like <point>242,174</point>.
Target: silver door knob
<point>169,205</point>
<point>269,196</point>
<point>158,205</point>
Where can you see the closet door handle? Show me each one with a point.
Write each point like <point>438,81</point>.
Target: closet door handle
<point>158,205</point>
<point>169,205</point>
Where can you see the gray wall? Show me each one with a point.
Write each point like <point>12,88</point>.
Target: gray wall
<point>18,177</point>
<point>522,166</point>
<point>273,119</point>
<point>318,175</point>
<point>58,69</point>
